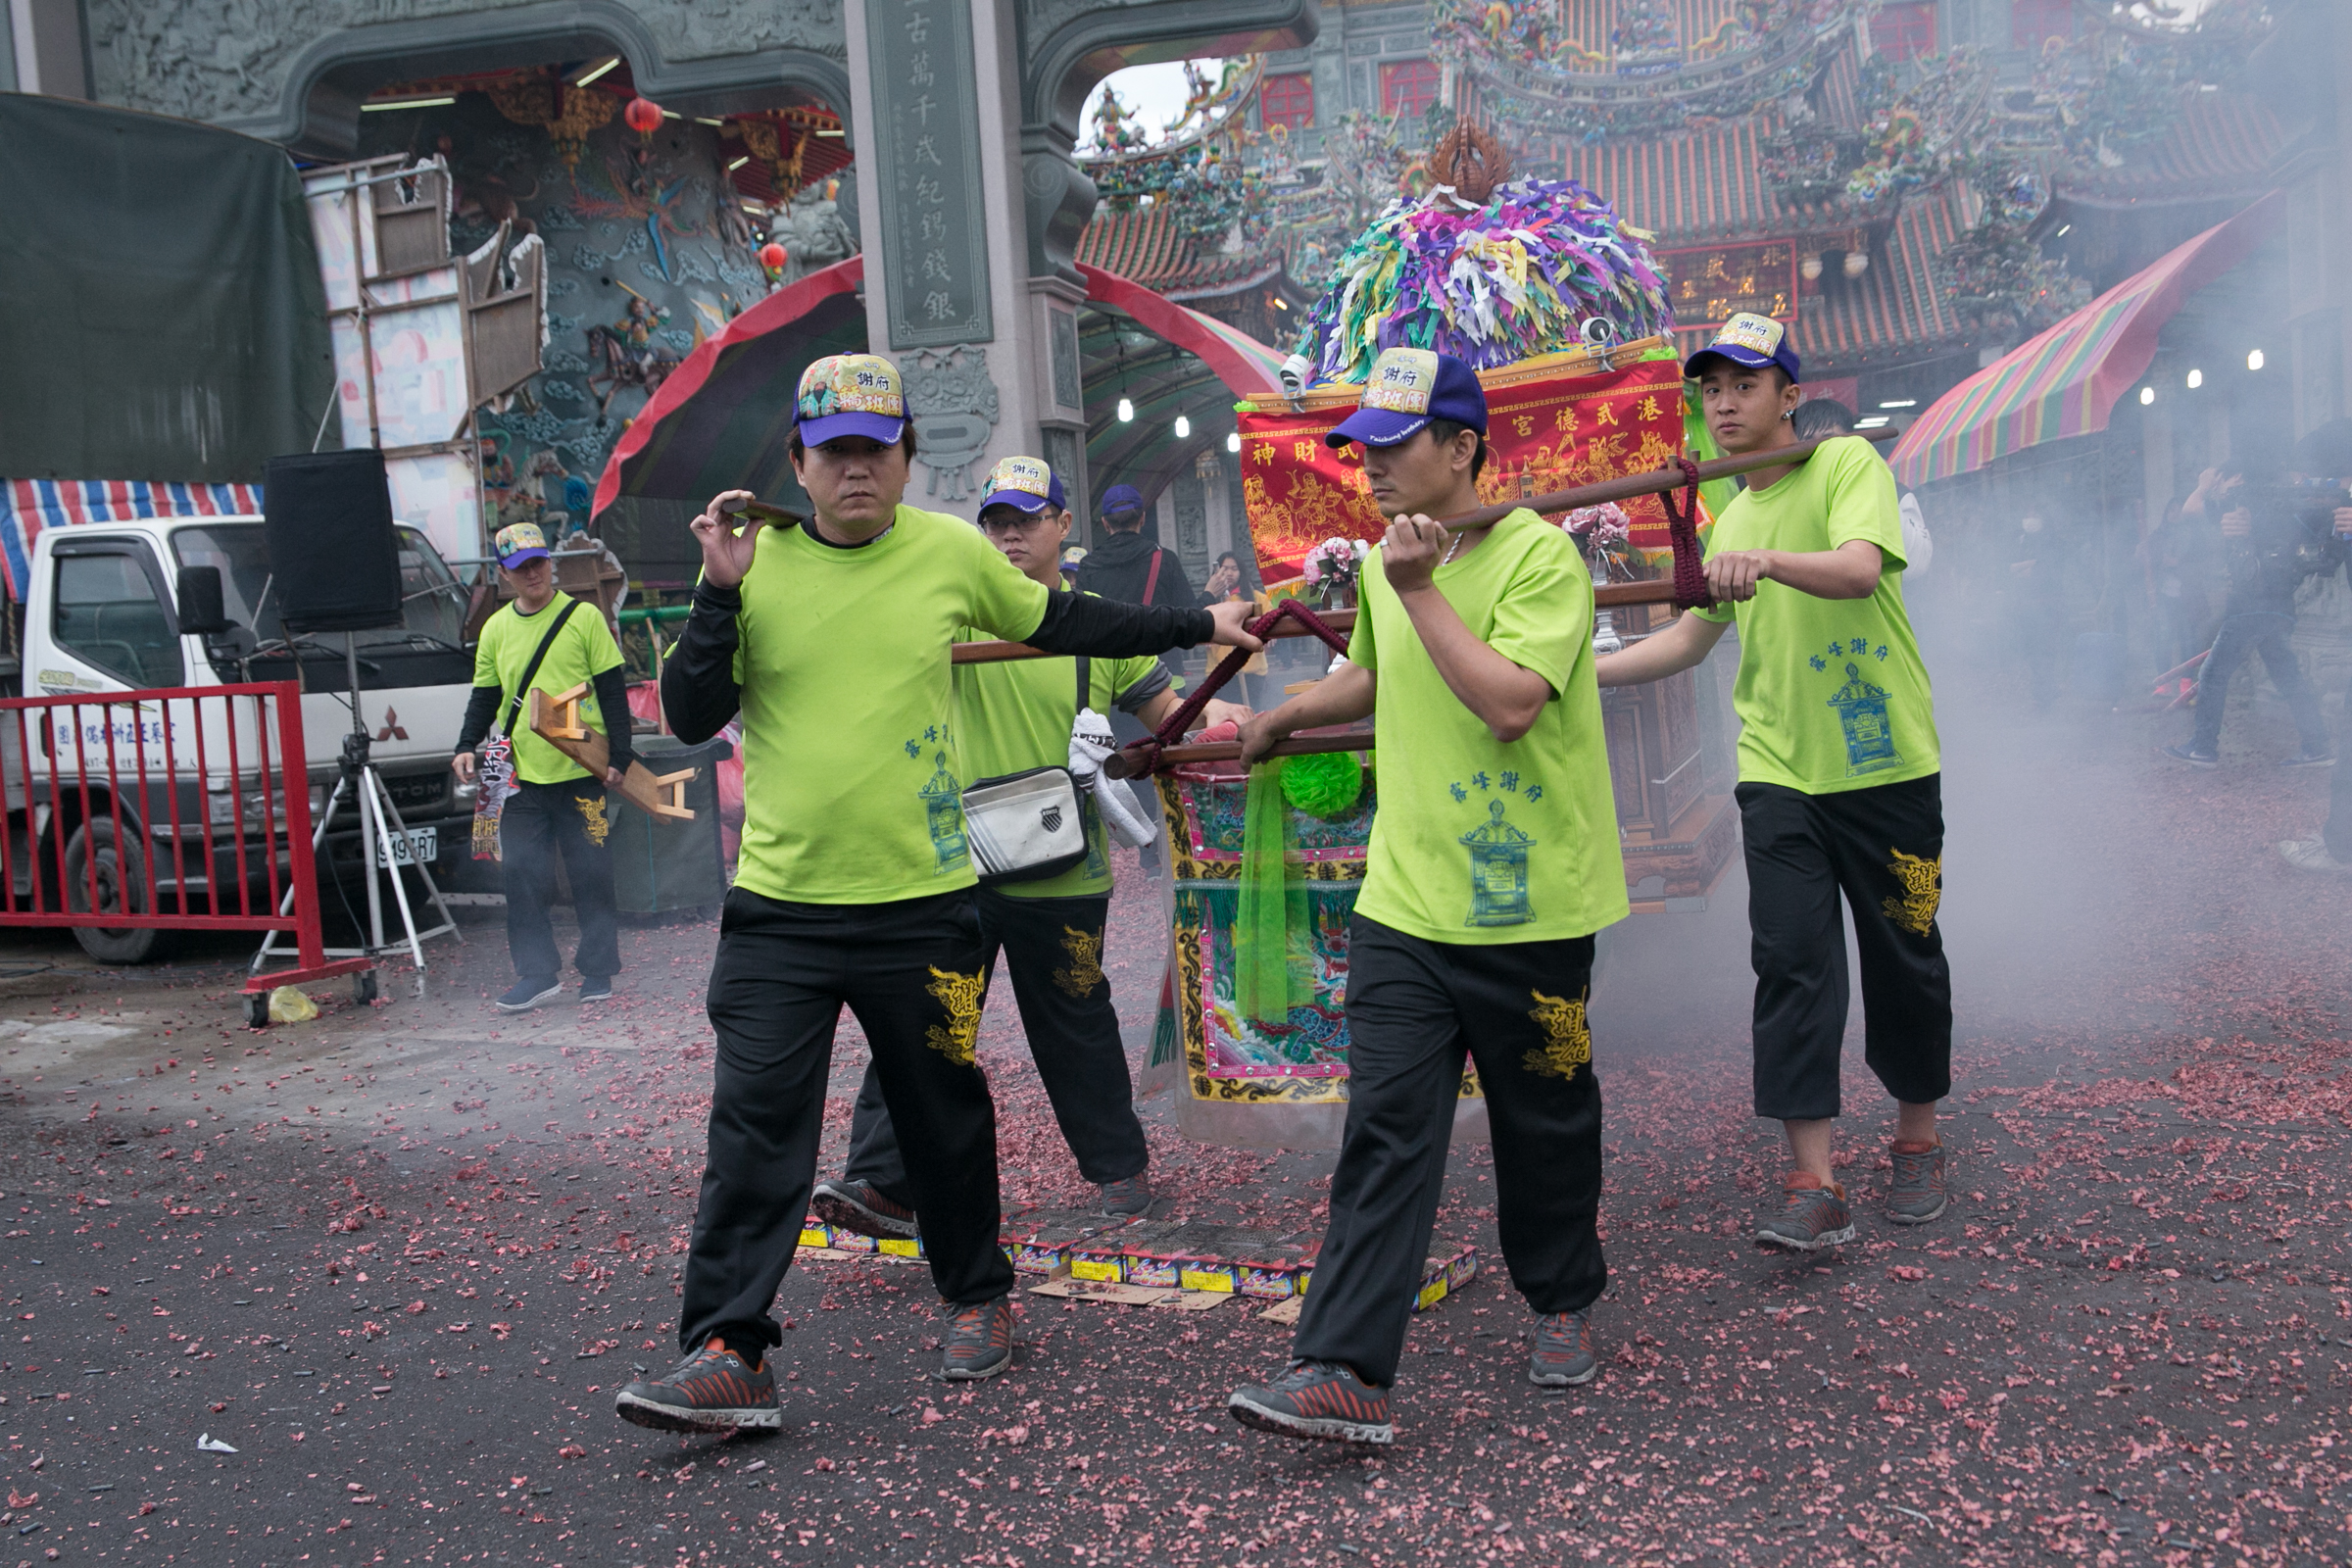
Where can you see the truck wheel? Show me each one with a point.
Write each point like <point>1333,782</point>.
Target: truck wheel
<point>120,871</point>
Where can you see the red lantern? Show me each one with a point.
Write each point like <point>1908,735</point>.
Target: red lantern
<point>774,256</point>
<point>642,116</point>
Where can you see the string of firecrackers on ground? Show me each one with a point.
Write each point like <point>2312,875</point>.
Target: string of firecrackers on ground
<point>1491,284</point>
<point>1553,423</point>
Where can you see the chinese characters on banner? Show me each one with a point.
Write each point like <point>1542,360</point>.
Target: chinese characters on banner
<point>926,119</point>
<point>1543,434</point>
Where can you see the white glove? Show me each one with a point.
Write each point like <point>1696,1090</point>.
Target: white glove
<point>1091,742</point>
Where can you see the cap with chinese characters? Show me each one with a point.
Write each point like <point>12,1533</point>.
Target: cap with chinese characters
<point>1023,482</point>
<point>519,542</point>
<point>1406,390</point>
<point>1748,339</point>
<point>851,394</point>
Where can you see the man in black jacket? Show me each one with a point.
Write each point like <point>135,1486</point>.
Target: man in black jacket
<point>854,883</point>
<point>1129,567</point>
<point>2270,547</point>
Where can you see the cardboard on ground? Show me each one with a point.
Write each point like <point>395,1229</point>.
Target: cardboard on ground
<point>556,719</point>
<point>1065,1288</point>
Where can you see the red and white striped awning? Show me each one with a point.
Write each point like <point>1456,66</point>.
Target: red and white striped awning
<point>27,506</point>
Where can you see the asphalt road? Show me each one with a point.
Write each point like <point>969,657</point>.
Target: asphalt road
<point>399,1258</point>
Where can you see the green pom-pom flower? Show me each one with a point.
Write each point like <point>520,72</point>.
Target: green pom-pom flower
<point>1323,785</point>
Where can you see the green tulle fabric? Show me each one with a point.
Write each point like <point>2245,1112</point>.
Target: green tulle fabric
<point>1325,784</point>
<point>1275,969</point>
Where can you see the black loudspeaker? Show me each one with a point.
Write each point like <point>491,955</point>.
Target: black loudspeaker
<point>327,516</point>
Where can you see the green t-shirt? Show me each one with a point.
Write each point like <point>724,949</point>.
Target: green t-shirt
<point>1016,716</point>
<point>853,785</point>
<point>1476,841</point>
<point>1832,693</point>
<point>584,651</point>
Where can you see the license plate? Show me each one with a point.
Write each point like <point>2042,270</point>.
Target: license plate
<point>420,846</point>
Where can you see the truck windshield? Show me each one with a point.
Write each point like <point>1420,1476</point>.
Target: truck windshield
<point>435,609</point>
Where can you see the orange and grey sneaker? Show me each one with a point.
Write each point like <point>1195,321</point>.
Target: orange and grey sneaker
<point>1917,1195</point>
<point>1317,1399</point>
<point>979,1341</point>
<point>1563,1355</point>
<point>861,1208</point>
<point>1815,1217</point>
<point>714,1390</point>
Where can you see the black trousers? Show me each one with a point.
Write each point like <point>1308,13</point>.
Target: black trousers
<point>1055,950</point>
<point>1415,1009</point>
<point>1882,848</point>
<point>911,971</point>
<point>542,821</point>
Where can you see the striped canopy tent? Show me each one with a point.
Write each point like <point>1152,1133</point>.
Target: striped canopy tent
<point>2066,382</point>
<point>27,506</point>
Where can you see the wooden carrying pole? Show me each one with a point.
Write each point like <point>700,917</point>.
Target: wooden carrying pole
<point>1657,591</point>
<point>556,719</point>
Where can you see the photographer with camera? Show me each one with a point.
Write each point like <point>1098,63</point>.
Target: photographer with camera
<point>2273,537</point>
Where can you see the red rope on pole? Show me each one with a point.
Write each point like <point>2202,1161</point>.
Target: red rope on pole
<point>1147,751</point>
<point>1682,528</point>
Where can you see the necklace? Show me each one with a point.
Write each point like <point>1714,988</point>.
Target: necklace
<point>1451,548</point>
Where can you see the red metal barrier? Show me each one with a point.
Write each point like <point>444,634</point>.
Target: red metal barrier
<point>154,768</point>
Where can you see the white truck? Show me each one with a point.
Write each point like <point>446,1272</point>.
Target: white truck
<point>102,613</point>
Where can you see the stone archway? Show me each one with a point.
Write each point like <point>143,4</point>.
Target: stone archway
<point>295,70</point>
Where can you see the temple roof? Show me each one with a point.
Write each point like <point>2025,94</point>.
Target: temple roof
<point>1144,245</point>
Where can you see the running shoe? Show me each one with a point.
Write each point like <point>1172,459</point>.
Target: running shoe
<point>1126,1198</point>
<point>1563,1355</point>
<point>2310,854</point>
<point>979,1341</point>
<point>1317,1399</point>
<point>1916,1195</point>
<point>595,990</point>
<point>714,1390</point>
<point>524,994</point>
<point>2186,752</point>
<point>1815,1217</point>
<point>858,1206</point>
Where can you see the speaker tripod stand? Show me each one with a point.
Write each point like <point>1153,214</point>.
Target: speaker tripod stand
<point>362,787</point>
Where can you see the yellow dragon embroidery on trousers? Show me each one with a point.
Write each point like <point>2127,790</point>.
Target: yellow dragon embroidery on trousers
<point>592,820</point>
<point>1567,1042</point>
<point>962,995</point>
<point>1085,972</point>
<point>1923,890</point>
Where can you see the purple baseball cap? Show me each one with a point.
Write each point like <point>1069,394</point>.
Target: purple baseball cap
<point>1406,390</point>
<point>1748,339</point>
<point>851,394</point>
<point>1023,482</point>
<point>1121,498</point>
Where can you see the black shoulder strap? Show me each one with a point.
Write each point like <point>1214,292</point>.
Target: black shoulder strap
<point>1086,684</point>
<point>523,686</point>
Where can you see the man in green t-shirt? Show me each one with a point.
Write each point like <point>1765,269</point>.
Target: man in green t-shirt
<point>1011,717</point>
<point>1493,862</point>
<point>557,807</point>
<point>854,882</point>
<point>1840,782</point>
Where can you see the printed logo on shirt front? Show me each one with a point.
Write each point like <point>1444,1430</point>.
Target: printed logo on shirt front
<point>1498,893</point>
<point>1862,707</point>
<point>942,797</point>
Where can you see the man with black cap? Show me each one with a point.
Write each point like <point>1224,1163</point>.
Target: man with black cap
<point>1127,567</point>
<point>1493,862</point>
<point>1840,784</point>
<point>854,883</point>
<point>1015,716</point>
<point>545,640</point>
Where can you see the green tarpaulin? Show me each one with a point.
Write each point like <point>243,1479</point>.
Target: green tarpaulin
<point>166,317</point>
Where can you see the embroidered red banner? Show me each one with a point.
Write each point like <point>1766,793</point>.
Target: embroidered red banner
<point>1544,434</point>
